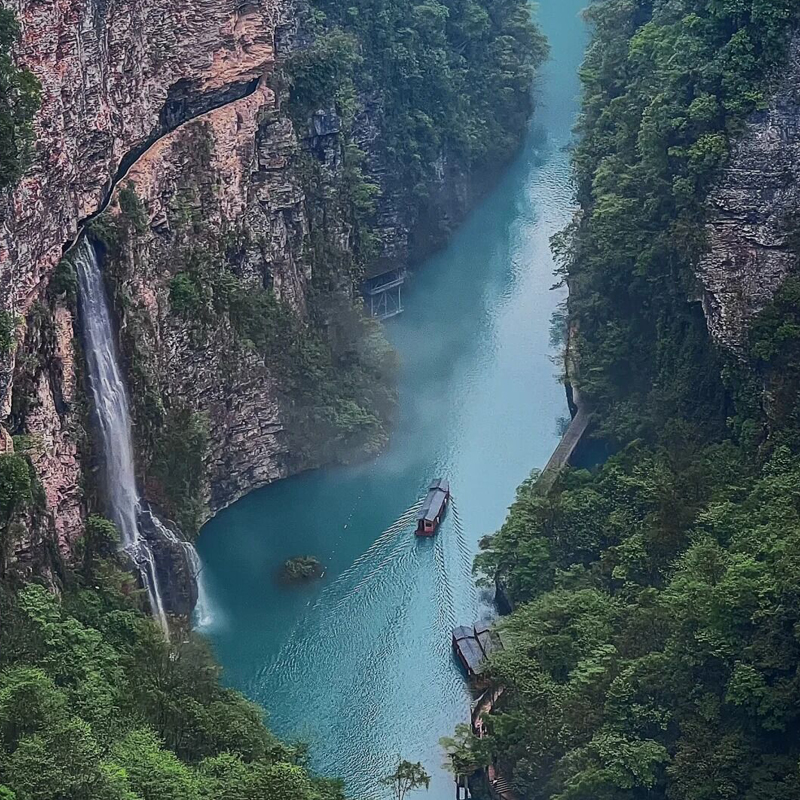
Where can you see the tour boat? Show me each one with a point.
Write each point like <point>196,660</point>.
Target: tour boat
<point>434,507</point>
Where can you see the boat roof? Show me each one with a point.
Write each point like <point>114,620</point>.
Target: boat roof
<point>488,641</point>
<point>471,652</point>
<point>475,643</point>
<point>437,494</point>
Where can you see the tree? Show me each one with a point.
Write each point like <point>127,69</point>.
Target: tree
<point>15,484</point>
<point>407,778</point>
<point>8,332</point>
<point>100,540</point>
<point>466,753</point>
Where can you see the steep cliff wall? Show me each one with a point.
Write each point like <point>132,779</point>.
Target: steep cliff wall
<point>237,199</point>
<point>222,188</point>
<point>753,215</point>
<point>115,76</point>
<point>232,166</point>
<point>174,99</point>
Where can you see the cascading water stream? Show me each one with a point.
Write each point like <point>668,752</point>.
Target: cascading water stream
<point>202,610</point>
<point>114,423</point>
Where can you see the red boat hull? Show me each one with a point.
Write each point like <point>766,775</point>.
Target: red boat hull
<point>428,528</point>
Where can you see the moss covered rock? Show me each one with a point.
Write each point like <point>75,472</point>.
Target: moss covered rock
<point>301,569</point>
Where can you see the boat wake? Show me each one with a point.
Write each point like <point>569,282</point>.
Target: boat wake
<point>446,604</point>
<point>374,593</point>
<point>387,556</point>
<point>465,556</point>
<point>397,557</point>
<point>333,593</point>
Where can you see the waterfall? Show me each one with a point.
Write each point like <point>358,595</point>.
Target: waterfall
<point>114,422</point>
<point>202,610</point>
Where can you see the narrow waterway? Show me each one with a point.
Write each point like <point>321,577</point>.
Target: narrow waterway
<point>360,665</point>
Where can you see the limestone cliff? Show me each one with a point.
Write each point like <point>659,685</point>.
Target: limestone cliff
<point>173,100</point>
<point>753,215</point>
<point>115,76</point>
<point>226,177</point>
<point>227,228</point>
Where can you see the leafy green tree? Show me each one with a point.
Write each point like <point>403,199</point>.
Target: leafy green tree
<point>466,753</point>
<point>8,332</point>
<point>407,777</point>
<point>100,541</point>
<point>96,705</point>
<point>154,773</point>
<point>15,484</point>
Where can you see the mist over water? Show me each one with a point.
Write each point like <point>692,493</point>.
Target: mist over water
<point>360,665</point>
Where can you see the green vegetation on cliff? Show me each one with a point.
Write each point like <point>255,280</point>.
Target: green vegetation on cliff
<point>387,100</point>
<point>178,465</point>
<point>653,649</point>
<point>666,87</point>
<point>96,705</point>
<point>448,78</point>
<point>15,485</point>
<point>436,91</point>
<point>19,100</point>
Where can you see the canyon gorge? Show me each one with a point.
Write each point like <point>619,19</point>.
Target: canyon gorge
<point>187,223</point>
<point>182,111</point>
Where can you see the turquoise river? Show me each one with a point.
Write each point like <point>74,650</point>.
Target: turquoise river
<point>360,664</point>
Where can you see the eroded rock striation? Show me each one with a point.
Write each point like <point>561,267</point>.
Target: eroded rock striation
<point>172,101</point>
<point>115,76</point>
<point>227,173</point>
<point>752,214</point>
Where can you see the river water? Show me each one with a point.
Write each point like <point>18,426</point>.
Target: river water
<point>360,665</point>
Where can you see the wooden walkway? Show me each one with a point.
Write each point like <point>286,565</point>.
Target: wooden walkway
<point>383,294</point>
<point>499,786</point>
<point>565,450</point>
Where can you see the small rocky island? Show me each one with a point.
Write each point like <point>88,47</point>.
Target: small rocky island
<point>301,569</point>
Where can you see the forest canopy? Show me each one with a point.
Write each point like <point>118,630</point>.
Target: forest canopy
<point>96,705</point>
<point>653,649</point>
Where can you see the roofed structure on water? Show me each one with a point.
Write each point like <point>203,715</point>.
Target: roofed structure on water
<point>438,492</point>
<point>473,644</point>
<point>488,639</point>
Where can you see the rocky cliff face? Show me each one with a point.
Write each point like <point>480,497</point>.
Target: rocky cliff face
<point>115,77</point>
<point>160,132</point>
<point>172,100</point>
<point>230,172</point>
<point>752,216</point>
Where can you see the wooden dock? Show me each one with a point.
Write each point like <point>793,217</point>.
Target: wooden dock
<point>566,447</point>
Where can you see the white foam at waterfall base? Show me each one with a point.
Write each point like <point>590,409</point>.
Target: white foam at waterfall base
<point>202,616</point>
<point>114,424</point>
